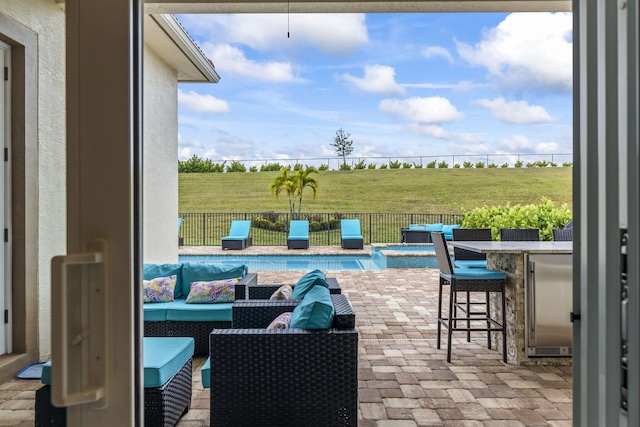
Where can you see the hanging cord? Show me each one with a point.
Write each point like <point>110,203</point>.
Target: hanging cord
<point>288,18</point>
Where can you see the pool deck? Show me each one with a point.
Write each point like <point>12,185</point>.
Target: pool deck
<point>404,381</point>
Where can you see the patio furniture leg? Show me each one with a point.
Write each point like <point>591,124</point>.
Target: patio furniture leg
<point>451,305</point>
<point>439,314</point>
<point>488,322</point>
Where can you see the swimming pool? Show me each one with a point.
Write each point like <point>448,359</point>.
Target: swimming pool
<point>289,262</point>
<point>404,256</point>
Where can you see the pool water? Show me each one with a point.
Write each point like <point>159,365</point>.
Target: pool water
<point>290,262</point>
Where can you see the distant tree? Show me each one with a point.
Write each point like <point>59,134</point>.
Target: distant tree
<point>343,145</point>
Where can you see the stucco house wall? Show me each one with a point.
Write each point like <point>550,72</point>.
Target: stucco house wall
<point>160,164</point>
<point>43,189</point>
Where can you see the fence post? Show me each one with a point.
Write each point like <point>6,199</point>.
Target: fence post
<point>204,229</point>
<point>370,228</point>
<point>328,231</point>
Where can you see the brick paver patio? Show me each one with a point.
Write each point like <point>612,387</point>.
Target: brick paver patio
<point>403,379</point>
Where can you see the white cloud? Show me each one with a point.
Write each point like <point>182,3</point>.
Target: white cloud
<point>336,34</point>
<point>202,103</point>
<point>518,112</point>
<point>547,147</point>
<point>466,86</point>
<point>184,153</point>
<point>435,109</point>
<point>377,79</point>
<point>515,144</point>
<point>428,86</point>
<point>437,51</point>
<point>526,50</point>
<point>232,61</point>
<point>429,130</point>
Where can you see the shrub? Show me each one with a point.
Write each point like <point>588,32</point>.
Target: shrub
<point>567,164</point>
<point>371,166</point>
<point>406,165</point>
<point>492,166</point>
<point>383,166</point>
<point>531,165</point>
<point>456,165</point>
<point>480,165</point>
<point>553,164</point>
<point>417,165</point>
<point>253,169</point>
<point>394,165</point>
<point>505,165</point>
<point>431,165</point>
<point>236,166</point>
<point>197,164</point>
<point>518,164</point>
<point>467,165</point>
<point>271,167</point>
<point>297,167</point>
<point>443,165</point>
<point>545,216</point>
<point>360,165</point>
<point>344,167</point>
<point>323,167</point>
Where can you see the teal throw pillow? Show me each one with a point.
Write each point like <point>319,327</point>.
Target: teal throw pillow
<point>315,311</point>
<point>308,281</point>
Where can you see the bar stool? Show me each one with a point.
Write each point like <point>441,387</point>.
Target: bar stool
<point>520,234</point>
<point>466,258</point>
<point>466,280</point>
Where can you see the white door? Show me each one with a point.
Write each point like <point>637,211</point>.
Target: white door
<point>96,307</point>
<point>5,209</point>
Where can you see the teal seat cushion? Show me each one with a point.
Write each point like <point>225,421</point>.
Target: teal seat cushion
<point>205,373</point>
<point>471,263</point>
<point>298,237</point>
<point>315,311</point>
<point>350,229</point>
<point>180,311</point>
<point>475,274</point>
<point>163,357</point>
<point>417,227</point>
<point>152,271</point>
<point>308,281</point>
<point>299,230</point>
<point>45,378</point>
<point>202,272</point>
<point>448,230</point>
<point>239,230</point>
<point>155,312</point>
<point>433,227</point>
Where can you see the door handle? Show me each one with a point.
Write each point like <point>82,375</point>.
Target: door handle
<point>89,339</point>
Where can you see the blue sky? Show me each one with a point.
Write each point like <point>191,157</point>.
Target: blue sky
<point>402,85</point>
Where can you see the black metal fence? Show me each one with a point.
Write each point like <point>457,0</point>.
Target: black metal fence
<point>271,228</point>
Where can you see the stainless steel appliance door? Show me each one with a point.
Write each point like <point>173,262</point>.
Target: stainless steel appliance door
<point>549,295</point>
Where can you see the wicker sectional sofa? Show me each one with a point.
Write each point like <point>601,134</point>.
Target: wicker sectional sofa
<point>292,377</point>
<point>180,319</point>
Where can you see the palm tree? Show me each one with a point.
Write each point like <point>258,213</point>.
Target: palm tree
<point>294,184</point>
<point>284,182</point>
<point>302,180</point>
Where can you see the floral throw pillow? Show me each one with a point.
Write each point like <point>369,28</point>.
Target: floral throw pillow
<point>160,289</point>
<point>212,292</point>
<point>281,322</point>
<point>283,293</point>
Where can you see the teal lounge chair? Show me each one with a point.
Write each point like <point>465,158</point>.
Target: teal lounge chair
<point>350,232</point>
<point>238,237</point>
<point>298,234</point>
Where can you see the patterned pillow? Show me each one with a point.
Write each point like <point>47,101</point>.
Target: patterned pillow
<point>210,292</point>
<point>282,293</point>
<point>281,322</point>
<point>160,289</point>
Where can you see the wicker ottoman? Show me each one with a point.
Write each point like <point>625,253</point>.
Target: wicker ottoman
<point>167,384</point>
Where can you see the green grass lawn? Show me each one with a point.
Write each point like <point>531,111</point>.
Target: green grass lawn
<point>390,190</point>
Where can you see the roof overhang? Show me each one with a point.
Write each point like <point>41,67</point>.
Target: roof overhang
<point>168,38</point>
<point>371,6</point>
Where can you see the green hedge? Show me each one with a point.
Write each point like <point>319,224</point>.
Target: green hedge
<point>545,216</point>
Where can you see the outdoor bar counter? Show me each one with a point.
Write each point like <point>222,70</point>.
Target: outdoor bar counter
<point>551,286</point>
